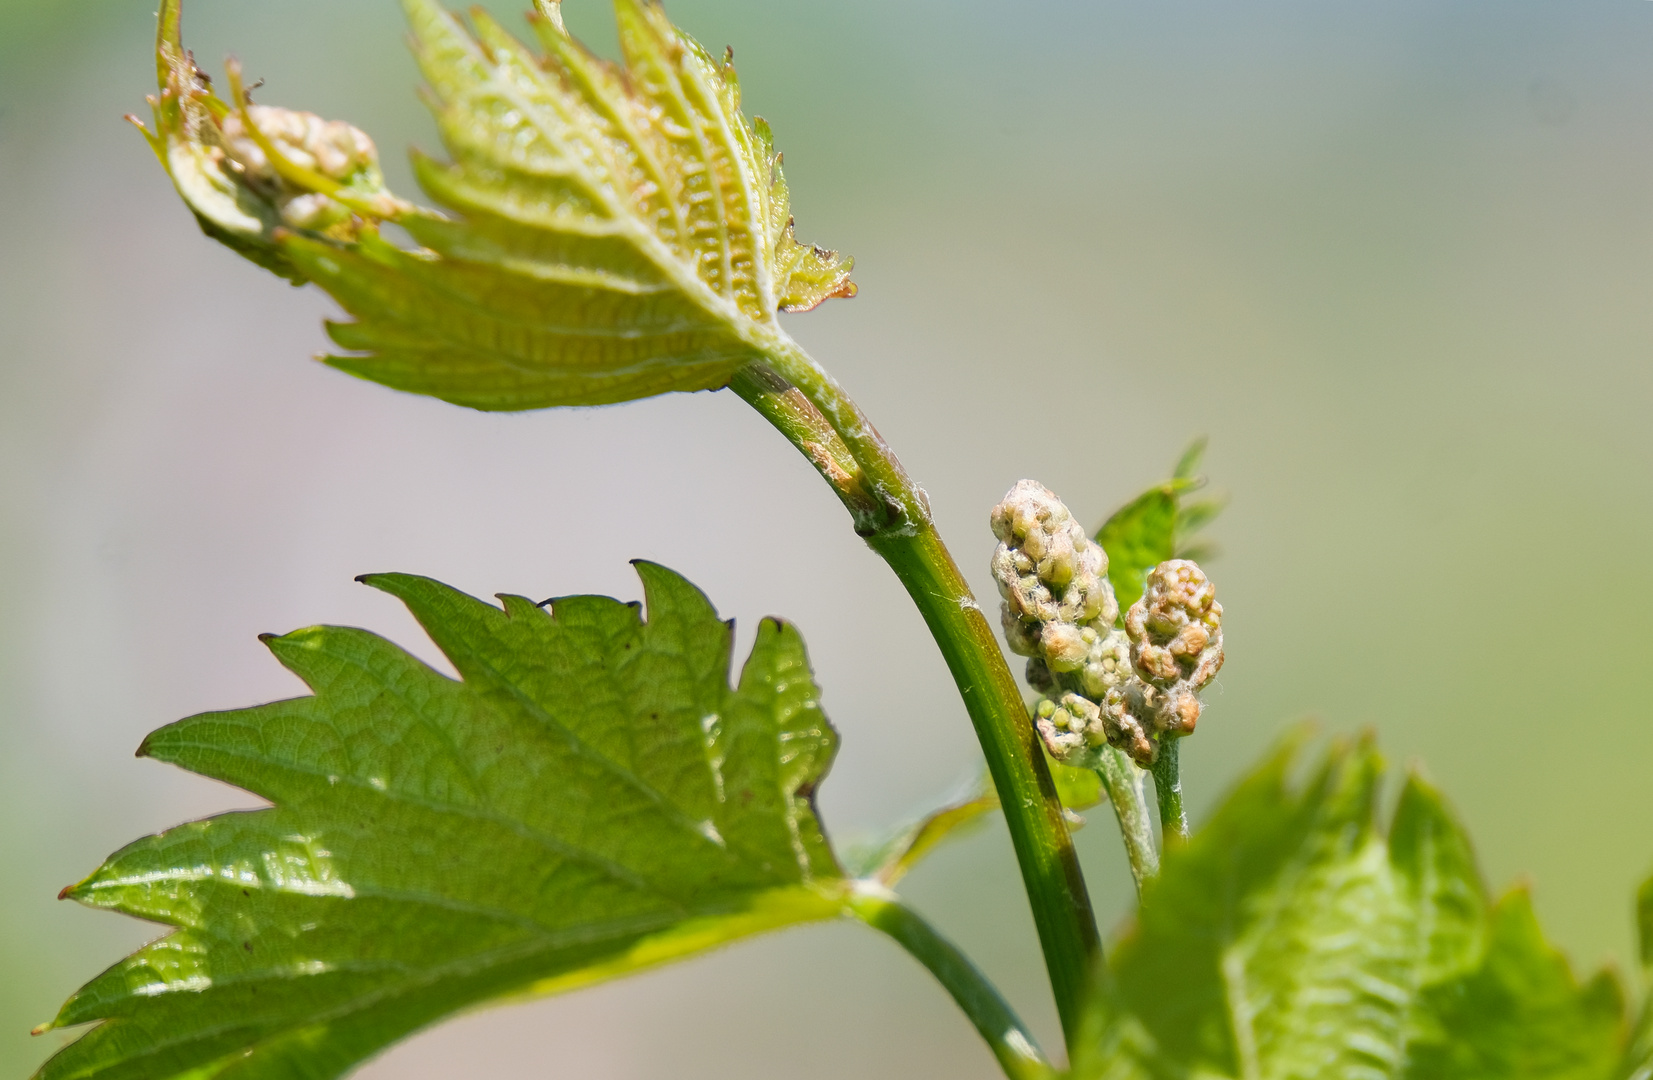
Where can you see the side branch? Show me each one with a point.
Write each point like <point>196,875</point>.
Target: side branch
<point>991,1016</point>
<point>1123,785</point>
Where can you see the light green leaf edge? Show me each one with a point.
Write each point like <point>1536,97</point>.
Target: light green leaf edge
<point>613,233</point>
<point>1638,1055</point>
<point>593,798</point>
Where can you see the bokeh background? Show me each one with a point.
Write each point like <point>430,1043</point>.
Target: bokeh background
<point>1395,258</point>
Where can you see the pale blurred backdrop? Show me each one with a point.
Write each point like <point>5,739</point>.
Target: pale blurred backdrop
<point>1395,258</point>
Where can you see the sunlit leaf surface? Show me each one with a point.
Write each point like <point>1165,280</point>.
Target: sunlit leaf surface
<point>592,796</point>
<point>1292,939</point>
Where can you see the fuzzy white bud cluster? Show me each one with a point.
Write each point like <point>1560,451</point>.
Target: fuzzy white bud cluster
<point>1130,688</point>
<point>332,148</point>
<point>1054,579</point>
<point>1176,648</point>
<point>1059,610</point>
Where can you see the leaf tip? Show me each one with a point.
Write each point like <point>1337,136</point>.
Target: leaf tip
<point>551,11</point>
<point>73,891</point>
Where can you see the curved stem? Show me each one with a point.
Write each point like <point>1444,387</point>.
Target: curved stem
<point>804,427</point>
<point>1173,820</point>
<point>905,501</point>
<point>901,532</point>
<point>1011,1043</point>
<point>1123,783</point>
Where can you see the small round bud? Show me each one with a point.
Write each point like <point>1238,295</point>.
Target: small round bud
<point>1063,647</point>
<point>1072,729</point>
<point>1040,677</point>
<point>1022,637</point>
<point>1107,664</point>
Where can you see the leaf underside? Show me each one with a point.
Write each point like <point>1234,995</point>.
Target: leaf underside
<point>1291,939</point>
<point>610,232</point>
<point>591,797</point>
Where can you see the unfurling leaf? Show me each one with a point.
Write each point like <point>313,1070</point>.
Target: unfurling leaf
<point>1156,526</point>
<point>1290,939</point>
<point>591,798</point>
<point>889,858</point>
<point>612,233</point>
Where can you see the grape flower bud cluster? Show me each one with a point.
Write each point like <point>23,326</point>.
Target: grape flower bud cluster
<point>1130,688</point>
<point>1176,637</point>
<point>332,148</point>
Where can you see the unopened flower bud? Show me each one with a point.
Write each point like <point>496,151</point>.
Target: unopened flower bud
<point>1175,649</point>
<point>332,148</point>
<point>1062,646</point>
<point>1124,727</point>
<point>251,171</point>
<point>1053,579</point>
<point>1107,664</point>
<point>1072,728</point>
<point>1022,637</point>
<point>1176,627</point>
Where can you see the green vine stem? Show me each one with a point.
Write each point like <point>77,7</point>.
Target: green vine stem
<point>891,513</point>
<point>1173,820</point>
<point>1122,781</point>
<point>998,1024</point>
<point>904,500</point>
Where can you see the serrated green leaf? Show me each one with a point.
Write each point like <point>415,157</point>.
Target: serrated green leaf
<point>1430,851</point>
<point>1138,537</point>
<point>1290,939</point>
<point>1638,1055</point>
<point>1156,526</point>
<point>1520,1015</point>
<point>592,796</point>
<point>612,232</point>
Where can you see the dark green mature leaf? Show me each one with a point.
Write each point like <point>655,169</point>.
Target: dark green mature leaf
<point>1156,526</point>
<point>591,798</point>
<point>1290,939</point>
<point>613,233</point>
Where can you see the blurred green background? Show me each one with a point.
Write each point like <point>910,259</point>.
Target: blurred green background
<point>1394,258</point>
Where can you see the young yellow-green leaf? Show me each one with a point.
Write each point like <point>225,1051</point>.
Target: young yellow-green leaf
<point>611,233</point>
<point>1289,939</point>
<point>1156,526</point>
<point>889,858</point>
<point>591,797</point>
